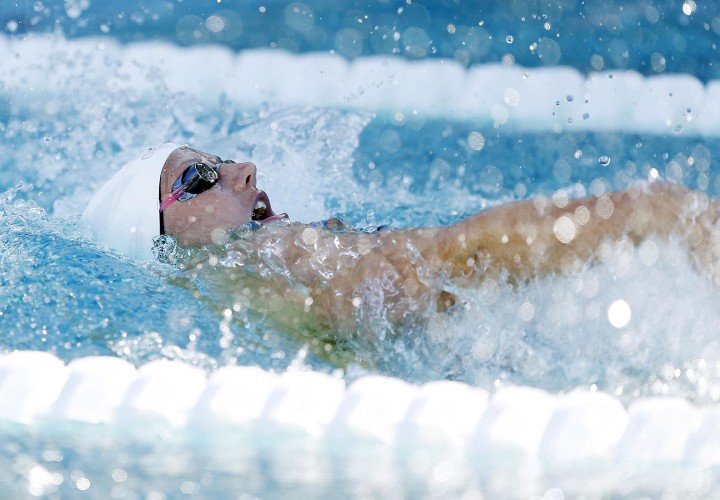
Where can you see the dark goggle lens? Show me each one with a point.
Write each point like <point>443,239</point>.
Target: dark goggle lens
<point>197,179</point>
<point>201,177</point>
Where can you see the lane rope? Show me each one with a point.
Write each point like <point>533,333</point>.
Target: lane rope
<point>37,387</point>
<point>537,99</point>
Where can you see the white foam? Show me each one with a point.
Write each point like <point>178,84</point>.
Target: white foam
<point>559,332</point>
<point>559,98</point>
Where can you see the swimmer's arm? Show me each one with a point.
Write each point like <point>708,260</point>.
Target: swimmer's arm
<point>534,237</point>
<point>517,241</point>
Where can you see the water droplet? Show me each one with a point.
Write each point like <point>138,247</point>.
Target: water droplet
<point>569,98</point>
<point>586,116</point>
<point>689,7</point>
<point>604,160</point>
<point>509,39</point>
<point>619,313</point>
<point>526,312</point>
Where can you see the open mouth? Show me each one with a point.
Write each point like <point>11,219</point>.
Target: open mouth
<point>262,209</point>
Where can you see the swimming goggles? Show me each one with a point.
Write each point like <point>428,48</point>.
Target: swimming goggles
<point>196,179</point>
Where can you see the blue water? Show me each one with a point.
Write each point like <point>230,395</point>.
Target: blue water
<point>76,102</point>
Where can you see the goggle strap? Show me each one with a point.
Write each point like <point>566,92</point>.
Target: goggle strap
<point>172,198</point>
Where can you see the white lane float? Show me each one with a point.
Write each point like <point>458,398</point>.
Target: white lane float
<point>37,388</point>
<point>45,66</point>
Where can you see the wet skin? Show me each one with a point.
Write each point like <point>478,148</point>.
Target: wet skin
<point>413,269</point>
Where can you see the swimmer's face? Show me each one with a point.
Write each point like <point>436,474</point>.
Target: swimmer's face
<point>230,202</point>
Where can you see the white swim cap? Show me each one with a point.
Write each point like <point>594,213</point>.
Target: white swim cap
<point>124,213</point>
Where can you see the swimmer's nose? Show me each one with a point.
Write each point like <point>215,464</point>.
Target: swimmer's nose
<point>240,175</point>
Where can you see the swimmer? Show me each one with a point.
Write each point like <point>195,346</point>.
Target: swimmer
<point>326,275</point>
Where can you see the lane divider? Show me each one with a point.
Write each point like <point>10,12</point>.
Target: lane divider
<point>37,387</point>
<point>546,98</point>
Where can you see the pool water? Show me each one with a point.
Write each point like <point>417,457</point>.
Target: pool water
<point>383,113</point>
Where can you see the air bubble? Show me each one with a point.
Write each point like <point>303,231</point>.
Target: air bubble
<point>299,17</point>
<point>215,24</point>
<point>476,141</point>
<point>604,160</point>
<point>548,51</point>
<point>509,39</point>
